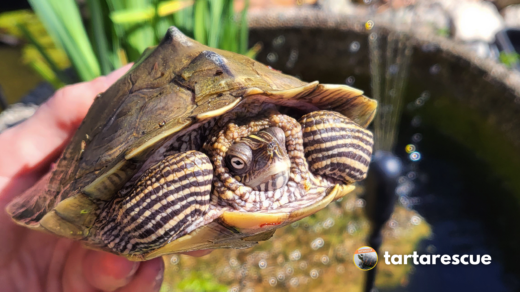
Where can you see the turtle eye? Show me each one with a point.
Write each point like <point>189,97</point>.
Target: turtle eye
<point>237,163</point>
<point>239,158</point>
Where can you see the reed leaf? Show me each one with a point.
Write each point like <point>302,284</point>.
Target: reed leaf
<point>99,38</point>
<point>63,22</point>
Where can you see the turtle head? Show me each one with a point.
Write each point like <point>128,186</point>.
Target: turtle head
<point>260,161</point>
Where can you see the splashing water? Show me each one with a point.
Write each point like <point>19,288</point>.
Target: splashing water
<point>389,74</point>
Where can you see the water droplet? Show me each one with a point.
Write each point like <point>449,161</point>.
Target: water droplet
<point>428,47</point>
<point>416,121</point>
<point>317,243</point>
<point>431,248</point>
<point>393,224</point>
<point>351,228</point>
<point>403,189</point>
<point>272,281</point>
<point>234,289</point>
<point>293,57</point>
<point>295,255</point>
<point>314,273</point>
<point>328,223</point>
<point>354,47</point>
<point>340,269</point>
<point>411,175</point>
<point>404,201</point>
<point>435,69</point>
<point>409,148</point>
<point>350,80</point>
<point>243,271</point>
<point>416,220</point>
<point>280,259</point>
<point>174,260</point>
<point>272,57</point>
<point>417,137</point>
<point>415,201</point>
<point>280,276</point>
<point>303,265</point>
<point>415,156</point>
<point>294,282</point>
<point>233,262</point>
<point>278,41</point>
<point>393,69</point>
<point>325,260</point>
<point>289,271</point>
<point>317,228</point>
<point>262,264</point>
<point>360,203</point>
<point>295,224</point>
<point>369,25</point>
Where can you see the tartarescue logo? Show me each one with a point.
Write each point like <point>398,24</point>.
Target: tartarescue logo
<point>365,258</point>
<point>434,259</point>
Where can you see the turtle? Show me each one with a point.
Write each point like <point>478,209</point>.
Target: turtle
<point>367,260</point>
<point>200,148</point>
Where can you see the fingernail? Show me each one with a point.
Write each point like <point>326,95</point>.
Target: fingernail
<point>115,75</point>
<point>160,276</point>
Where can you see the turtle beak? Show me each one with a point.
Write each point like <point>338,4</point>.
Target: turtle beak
<point>274,177</point>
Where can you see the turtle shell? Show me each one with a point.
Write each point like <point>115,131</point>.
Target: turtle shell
<point>174,87</point>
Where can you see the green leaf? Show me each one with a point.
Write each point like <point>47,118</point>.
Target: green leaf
<point>199,25</point>
<point>63,22</point>
<point>46,73</point>
<point>100,41</point>
<point>51,64</point>
<point>244,29</point>
<point>509,59</point>
<point>216,10</point>
<point>128,16</point>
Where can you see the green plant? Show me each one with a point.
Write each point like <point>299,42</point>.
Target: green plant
<point>199,282</point>
<point>24,24</point>
<point>116,32</point>
<point>509,59</point>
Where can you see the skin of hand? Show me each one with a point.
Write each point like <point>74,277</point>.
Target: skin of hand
<point>36,261</point>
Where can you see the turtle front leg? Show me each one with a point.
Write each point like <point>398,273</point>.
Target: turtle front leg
<point>162,205</point>
<point>336,148</point>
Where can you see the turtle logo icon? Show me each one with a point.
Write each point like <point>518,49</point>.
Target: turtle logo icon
<point>365,258</point>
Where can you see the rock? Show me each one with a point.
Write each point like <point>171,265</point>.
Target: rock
<point>19,112</point>
<point>512,15</point>
<point>474,20</point>
<point>15,114</point>
<point>464,20</point>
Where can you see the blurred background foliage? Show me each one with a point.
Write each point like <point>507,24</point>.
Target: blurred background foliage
<point>71,41</point>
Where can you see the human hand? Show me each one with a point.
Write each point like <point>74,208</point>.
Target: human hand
<point>36,261</point>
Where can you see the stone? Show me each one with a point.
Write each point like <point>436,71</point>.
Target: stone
<point>512,15</point>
